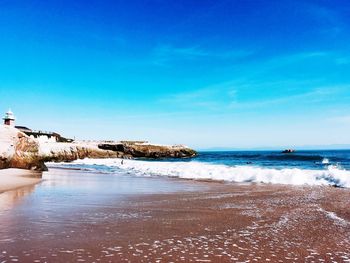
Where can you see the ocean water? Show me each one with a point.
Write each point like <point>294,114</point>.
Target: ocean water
<point>299,168</point>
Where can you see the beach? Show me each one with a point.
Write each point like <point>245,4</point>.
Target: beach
<point>12,178</point>
<point>89,216</point>
<point>175,131</point>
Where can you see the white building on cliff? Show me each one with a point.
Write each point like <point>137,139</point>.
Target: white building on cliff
<point>9,118</point>
<point>41,136</point>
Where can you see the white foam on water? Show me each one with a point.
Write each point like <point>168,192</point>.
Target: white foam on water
<point>333,175</point>
<point>325,161</point>
<point>334,217</point>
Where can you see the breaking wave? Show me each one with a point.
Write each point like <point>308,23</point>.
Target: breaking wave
<point>325,161</point>
<point>333,175</point>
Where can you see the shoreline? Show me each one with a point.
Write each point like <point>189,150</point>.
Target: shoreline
<point>13,178</point>
<point>141,219</point>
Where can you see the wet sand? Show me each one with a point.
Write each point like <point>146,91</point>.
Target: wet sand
<point>11,179</point>
<point>169,220</point>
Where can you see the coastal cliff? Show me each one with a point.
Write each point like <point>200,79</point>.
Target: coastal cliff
<point>17,150</point>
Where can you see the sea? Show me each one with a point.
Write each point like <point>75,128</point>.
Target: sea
<point>321,167</point>
<point>104,210</point>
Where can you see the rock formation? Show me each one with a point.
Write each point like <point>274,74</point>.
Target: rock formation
<point>17,150</point>
<point>145,150</point>
<point>65,152</point>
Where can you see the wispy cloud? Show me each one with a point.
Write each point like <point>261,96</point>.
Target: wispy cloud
<point>211,98</point>
<point>315,95</point>
<point>342,60</point>
<point>294,58</point>
<point>323,13</point>
<point>292,61</point>
<point>270,89</point>
<point>331,19</point>
<point>226,97</point>
<point>345,119</point>
<point>164,54</point>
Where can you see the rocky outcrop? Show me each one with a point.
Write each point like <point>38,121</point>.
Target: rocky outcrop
<point>17,150</point>
<point>145,150</point>
<point>66,152</point>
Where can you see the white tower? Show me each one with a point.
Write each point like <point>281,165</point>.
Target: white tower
<point>9,118</point>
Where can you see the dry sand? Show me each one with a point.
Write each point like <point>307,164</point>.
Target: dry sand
<point>11,179</point>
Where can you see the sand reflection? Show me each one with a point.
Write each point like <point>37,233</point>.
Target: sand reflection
<point>12,198</point>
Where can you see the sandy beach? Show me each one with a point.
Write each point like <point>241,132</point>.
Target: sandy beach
<point>240,223</point>
<point>175,131</point>
<point>11,179</point>
<point>122,218</point>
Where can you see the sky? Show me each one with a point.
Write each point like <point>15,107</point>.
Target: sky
<point>220,73</point>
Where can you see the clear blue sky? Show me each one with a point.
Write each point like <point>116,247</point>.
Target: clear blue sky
<point>204,73</point>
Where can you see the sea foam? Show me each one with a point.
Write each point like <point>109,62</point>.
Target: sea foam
<point>332,175</point>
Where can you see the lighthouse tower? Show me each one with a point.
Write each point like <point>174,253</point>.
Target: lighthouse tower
<point>9,118</point>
